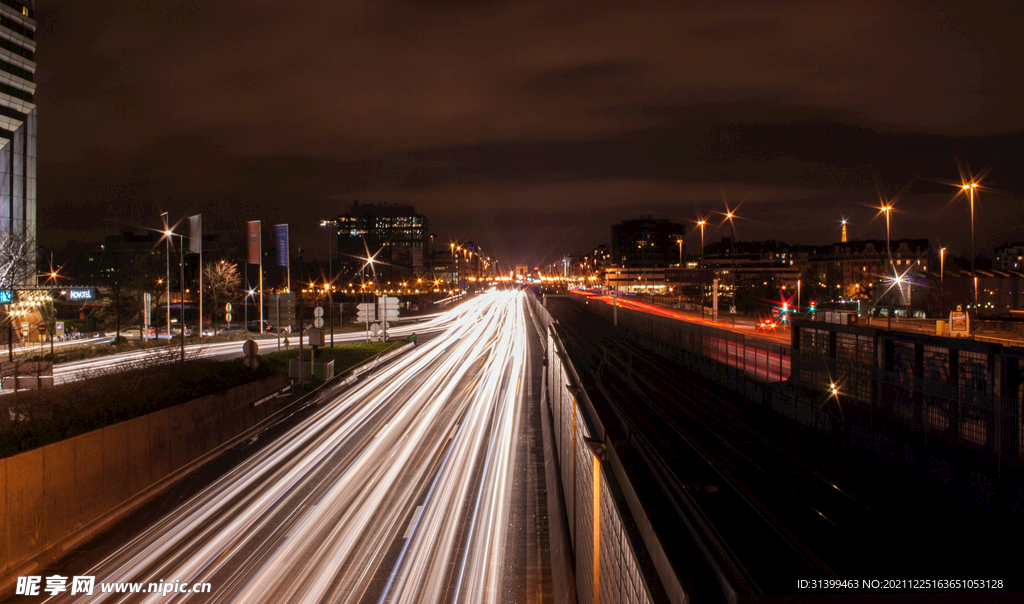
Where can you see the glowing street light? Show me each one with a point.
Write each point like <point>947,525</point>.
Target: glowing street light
<point>887,208</point>
<point>942,266</point>
<point>970,187</point>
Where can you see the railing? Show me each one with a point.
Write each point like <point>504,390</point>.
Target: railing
<point>599,501</point>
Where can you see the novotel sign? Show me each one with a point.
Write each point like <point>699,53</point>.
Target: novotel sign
<point>6,296</point>
<point>80,294</point>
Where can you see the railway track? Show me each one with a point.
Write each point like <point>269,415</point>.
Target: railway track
<point>765,517</point>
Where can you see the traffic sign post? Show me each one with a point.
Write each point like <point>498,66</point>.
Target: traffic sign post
<point>389,310</point>
<point>249,349</point>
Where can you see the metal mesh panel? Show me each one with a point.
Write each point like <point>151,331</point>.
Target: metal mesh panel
<point>619,574</point>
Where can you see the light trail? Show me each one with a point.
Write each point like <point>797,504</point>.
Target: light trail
<point>77,370</point>
<point>322,512</point>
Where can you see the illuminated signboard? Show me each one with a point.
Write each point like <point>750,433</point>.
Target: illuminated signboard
<point>5,296</point>
<point>80,294</point>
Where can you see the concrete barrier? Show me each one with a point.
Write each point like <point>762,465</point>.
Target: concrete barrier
<point>49,493</point>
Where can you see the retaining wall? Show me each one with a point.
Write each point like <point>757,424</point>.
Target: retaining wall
<point>48,493</point>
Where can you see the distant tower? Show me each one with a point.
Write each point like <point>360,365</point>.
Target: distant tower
<point>844,230</point>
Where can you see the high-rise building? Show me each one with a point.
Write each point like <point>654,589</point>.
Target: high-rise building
<point>18,121</point>
<point>394,232</point>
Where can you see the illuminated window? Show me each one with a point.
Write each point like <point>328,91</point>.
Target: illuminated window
<point>24,10</point>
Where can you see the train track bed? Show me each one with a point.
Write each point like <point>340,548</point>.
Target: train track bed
<point>768,506</point>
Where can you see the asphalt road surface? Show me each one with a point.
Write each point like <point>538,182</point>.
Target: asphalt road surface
<point>399,489</point>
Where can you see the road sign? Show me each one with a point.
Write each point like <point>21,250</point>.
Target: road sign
<point>316,337</point>
<point>318,311</point>
<point>227,317</point>
<point>375,328</point>
<point>318,322</point>
<point>227,307</point>
<point>732,310</point>
<point>250,348</point>
<point>392,313</point>
<point>389,301</point>
<point>42,327</point>
<point>252,362</point>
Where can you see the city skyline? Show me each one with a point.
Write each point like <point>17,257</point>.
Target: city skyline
<point>531,126</point>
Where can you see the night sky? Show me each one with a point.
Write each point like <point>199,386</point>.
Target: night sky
<point>531,127</point>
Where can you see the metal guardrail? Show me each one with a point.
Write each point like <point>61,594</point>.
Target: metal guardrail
<point>598,498</point>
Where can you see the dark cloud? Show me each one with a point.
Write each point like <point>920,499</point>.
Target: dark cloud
<point>561,115</point>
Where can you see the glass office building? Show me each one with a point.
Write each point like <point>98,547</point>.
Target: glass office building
<point>17,120</point>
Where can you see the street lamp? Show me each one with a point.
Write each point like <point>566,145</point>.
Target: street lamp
<point>970,187</point>
<point>703,288</point>
<point>181,248</point>
<point>942,266</point>
<point>887,208</point>
<point>732,262</point>
<point>168,281</point>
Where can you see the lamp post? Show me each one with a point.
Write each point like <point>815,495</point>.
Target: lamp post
<point>703,288</point>
<point>181,286</point>
<point>942,266</point>
<point>732,263</point>
<point>168,281</point>
<point>970,187</point>
<point>887,208</point>
<point>680,242</point>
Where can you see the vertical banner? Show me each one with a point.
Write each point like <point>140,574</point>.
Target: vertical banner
<point>281,234</point>
<point>195,236</point>
<point>254,242</point>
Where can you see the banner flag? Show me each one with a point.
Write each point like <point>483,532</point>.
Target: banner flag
<point>254,242</point>
<point>281,233</point>
<point>195,237</point>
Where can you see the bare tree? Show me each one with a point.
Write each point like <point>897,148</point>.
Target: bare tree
<point>220,282</point>
<point>17,260</point>
<point>17,268</point>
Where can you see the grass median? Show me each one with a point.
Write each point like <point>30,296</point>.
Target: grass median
<point>345,356</point>
<point>31,419</point>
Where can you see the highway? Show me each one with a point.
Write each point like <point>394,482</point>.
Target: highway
<point>398,489</point>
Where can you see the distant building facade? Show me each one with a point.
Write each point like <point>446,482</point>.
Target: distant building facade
<point>396,233</point>
<point>646,242</point>
<point>18,121</point>
<point>1010,257</point>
